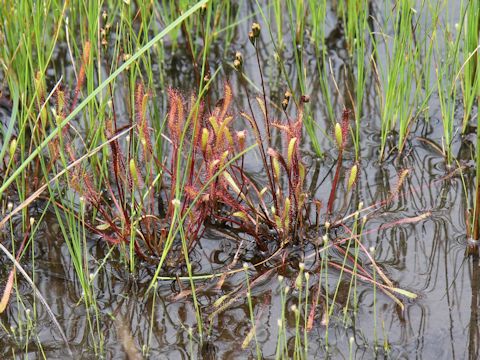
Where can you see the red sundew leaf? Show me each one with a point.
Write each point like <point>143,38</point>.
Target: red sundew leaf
<point>345,126</point>
<point>175,115</point>
<point>226,101</point>
<point>138,100</point>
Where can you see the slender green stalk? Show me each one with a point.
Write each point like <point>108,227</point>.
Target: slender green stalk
<point>375,337</point>
<point>252,315</point>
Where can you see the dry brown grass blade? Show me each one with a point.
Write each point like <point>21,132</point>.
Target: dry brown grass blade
<point>384,288</point>
<point>369,256</point>
<point>251,334</point>
<point>8,288</point>
<point>8,291</point>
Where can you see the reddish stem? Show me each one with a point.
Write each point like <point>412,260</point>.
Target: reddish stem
<point>331,199</point>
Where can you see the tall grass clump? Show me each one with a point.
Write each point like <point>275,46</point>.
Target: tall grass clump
<point>476,212</point>
<point>471,90</point>
<point>397,71</point>
<point>473,222</point>
<point>471,65</point>
<point>447,66</point>
<point>297,23</point>
<point>318,15</point>
<point>357,30</point>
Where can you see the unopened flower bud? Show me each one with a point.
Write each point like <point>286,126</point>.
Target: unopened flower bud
<point>13,147</point>
<point>353,177</point>
<point>338,135</point>
<point>204,139</point>
<point>133,171</point>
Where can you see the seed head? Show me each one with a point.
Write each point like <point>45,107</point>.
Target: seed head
<point>237,65</point>
<point>286,99</point>
<point>251,37</point>
<point>256,30</point>
<point>339,136</point>
<point>239,56</point>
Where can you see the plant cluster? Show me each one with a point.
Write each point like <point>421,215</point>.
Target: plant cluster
<point>207,162</point>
